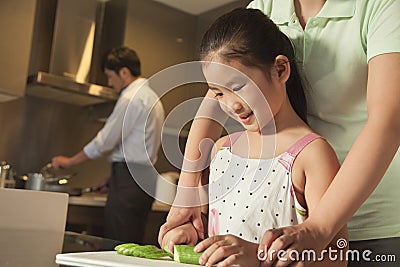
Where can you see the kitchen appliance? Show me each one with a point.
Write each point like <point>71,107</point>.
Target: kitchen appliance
<point>50,180</point>
<point>34,181</point>
<point>82,33</point>
<point>7,175</point>
<point>37,181</point>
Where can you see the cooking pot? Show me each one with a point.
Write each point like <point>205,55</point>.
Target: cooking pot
<point>36,181</point>
<point>49,180</point>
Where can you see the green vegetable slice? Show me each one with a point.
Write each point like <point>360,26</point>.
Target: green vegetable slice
<point>145,251</point>
<point>166,249</point>
<point>124,249</point>
<point>182,253</point>
<point>186,254</point>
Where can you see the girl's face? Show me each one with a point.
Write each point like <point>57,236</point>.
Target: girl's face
<point>247,94</point>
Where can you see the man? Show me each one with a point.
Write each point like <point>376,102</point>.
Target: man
<point>132,133</point>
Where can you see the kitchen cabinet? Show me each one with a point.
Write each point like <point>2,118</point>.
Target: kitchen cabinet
<point>16,27</point>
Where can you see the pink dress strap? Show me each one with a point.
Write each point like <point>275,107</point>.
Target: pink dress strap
<point>232,139</point>
<point>287,158</point>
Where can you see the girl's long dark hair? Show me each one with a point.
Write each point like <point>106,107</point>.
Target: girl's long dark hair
<point>251,37</point>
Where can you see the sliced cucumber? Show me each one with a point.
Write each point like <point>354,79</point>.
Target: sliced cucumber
<point>186,254</point>
<point>119,247</point>
<point>182,253</point>
<point>149,251</point>
<point>125,249</point>
<point>166,249</point>
<point>146,251</point>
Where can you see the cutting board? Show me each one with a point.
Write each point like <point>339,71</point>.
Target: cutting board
<point>112,259</point>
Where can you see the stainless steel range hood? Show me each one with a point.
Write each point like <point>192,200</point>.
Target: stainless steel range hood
<point>82,33</point>
<point>54,87</point>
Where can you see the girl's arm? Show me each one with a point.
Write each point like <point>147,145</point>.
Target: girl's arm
<point>186,204</point>
<point>319,164</point>
<point>374,148</point>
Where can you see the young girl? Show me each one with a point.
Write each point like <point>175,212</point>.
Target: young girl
<point>248,64</point>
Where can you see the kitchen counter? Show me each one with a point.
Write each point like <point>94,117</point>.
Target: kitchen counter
<point>99,200</point>
<point>88,199</point>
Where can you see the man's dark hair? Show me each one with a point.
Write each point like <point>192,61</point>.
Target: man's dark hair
<point>121,57</point>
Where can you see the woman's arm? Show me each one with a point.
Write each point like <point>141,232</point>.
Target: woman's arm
<point>374,148</point>
<point>204,127</point>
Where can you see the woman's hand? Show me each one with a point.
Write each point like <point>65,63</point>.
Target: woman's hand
<point>228,250</point>
<point>280,242</point>
<point>185,234</point>
<point>186,208</point>
<point>178,216</point>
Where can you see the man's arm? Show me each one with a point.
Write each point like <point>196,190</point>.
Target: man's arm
<point>60,162</point>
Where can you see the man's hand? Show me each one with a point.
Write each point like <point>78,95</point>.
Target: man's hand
<point>61,162</point>
<point>102,187</point>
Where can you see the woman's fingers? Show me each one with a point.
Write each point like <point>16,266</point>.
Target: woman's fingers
<point>269,237</point>
<point>291,245</point>
<point>277,252</point>
<point>176,217</point>
<point>198,224</point>
<point>163,230</point>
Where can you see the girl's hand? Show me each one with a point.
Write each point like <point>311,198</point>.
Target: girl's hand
<point>178,216</point>
<point>228,250</point>
<point>185,234</point>
<point>299,237</point>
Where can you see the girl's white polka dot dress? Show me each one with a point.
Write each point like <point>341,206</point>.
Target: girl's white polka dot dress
<point>249,196</point>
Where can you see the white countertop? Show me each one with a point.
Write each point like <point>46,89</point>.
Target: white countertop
<point>112,259</point>
<point>99,200</point>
